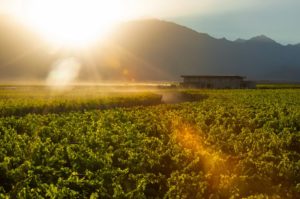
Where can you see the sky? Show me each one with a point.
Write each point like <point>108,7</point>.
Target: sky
<point>231,19</point>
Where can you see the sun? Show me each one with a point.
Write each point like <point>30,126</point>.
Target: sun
<point>73,22</point>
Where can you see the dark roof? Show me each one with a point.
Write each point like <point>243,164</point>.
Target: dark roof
<point>212,76</point>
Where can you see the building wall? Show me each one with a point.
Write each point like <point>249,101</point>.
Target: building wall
<point>249,84</point>
<point>201,82</point>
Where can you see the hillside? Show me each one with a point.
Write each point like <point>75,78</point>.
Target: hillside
<point>23,55</point>
<point>148,50</point>
<point>179,50</point>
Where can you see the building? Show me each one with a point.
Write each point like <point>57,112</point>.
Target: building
<point>216,82</point>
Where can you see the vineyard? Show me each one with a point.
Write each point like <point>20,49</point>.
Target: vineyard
<point>41,100</point>
<point>85,144</point>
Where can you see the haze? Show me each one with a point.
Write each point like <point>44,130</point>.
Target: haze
<point>146,41</point>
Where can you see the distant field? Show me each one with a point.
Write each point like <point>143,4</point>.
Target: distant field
<point>278,86</point>
<point>224,144</point>
<point>18,101</point>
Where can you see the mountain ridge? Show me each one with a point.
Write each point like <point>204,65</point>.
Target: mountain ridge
<point>153,50</point>
<point>220,57</point>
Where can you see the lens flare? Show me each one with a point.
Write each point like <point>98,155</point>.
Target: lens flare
<point>64,72</point>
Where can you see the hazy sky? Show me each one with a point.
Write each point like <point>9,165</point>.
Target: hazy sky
<point>232,19</point>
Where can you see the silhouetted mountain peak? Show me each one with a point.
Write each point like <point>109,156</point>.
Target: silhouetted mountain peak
<point>223,39</point>
<point>152,25</point>
<point>262,39</point>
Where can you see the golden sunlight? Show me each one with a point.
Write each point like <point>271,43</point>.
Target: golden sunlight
<point>73,23</point>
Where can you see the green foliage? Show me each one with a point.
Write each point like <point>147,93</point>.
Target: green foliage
<point>232,144</point>
<point>278,86</point>
<point>42,100</point>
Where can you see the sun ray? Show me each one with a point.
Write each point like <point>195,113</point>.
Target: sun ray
<point>73,23</point>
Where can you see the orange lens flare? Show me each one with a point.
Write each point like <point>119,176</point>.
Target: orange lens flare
<point>215,164</point>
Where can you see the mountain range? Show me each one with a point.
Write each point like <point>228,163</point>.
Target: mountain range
<point>148,50</point>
